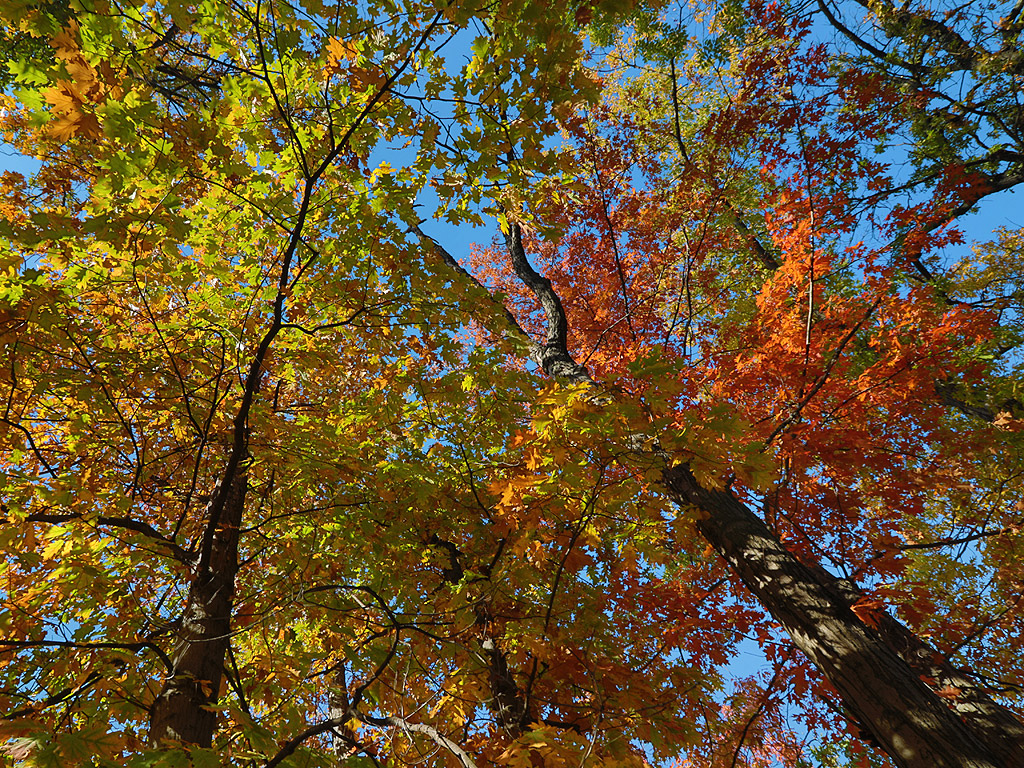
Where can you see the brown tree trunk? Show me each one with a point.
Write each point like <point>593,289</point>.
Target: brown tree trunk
<point>997,727</point>
<point>183,712</point>
<point>884,693</point>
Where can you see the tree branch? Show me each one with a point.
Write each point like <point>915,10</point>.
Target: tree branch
<point>335,723</point>
<point>534,351</point>
<point>126,523</point>
<point>429,731</point>
<point>57,698</point>
<point>555,358</point>
<point>134,647</point>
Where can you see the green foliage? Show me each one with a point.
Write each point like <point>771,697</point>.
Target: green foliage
<point>25,30</point>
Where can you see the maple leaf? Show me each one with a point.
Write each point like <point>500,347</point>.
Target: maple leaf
<point>869,611</point>
<point>340,53</point>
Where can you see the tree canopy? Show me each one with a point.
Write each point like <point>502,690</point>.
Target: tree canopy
<point>294,477</point>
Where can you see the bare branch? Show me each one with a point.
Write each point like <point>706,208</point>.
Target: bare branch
<point>289,747</point>
<point>865,45</point>
<point>57,698</point>
<point>534,350</point>
<point>429,731</point>
<point>125,523</point>
<point>336,723</point>
<point>555,358</point>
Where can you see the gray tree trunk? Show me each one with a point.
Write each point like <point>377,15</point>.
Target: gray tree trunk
<point>880,688</point>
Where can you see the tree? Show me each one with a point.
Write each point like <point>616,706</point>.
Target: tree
<point>219,340</point>
<point>269,500</point>
<point>825,338</point>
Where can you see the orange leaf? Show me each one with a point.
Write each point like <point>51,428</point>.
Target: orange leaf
<point>869,611</point>
<point>339,51</point>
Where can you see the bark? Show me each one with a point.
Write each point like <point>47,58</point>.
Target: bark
<point>882,691</point>
<point>184,710</point>
<point>1001,731</point>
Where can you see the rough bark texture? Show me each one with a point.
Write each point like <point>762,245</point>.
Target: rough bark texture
<point>183,712</point>
<point>1001,731</point>
<point>881,690</point>
<point>999,728</point>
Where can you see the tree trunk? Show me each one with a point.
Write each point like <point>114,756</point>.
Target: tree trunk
<point>998,728</point>
<point>183,712</point>
<point>881,690</point>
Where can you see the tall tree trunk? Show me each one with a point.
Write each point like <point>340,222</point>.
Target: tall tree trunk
<point>183,712</point>
<point>880,688</point>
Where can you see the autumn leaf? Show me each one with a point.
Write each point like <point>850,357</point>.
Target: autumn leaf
<point>869,611</point>
<point>340,53</point>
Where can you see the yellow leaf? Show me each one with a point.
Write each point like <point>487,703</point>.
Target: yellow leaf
<point>534,459</point>
<point>339,51</point>
<point>63,97</point>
